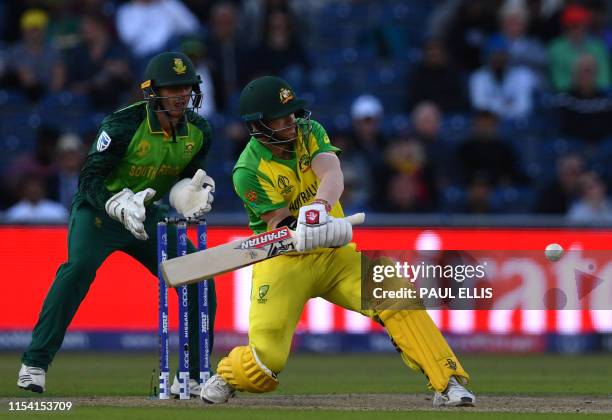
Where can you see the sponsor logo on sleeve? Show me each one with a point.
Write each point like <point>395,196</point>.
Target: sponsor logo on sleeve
<point>103,142</point>
<point>251,196</point>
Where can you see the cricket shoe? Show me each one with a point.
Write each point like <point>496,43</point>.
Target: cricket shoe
<point>194,388</point>
<point>216,390</point>
<point>455,395</point>
<point>31,378</point>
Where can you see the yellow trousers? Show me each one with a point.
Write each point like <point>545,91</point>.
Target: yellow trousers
<point>282,285</point>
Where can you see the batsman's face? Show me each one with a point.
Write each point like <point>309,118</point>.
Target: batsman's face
<point>287,129</point>
<point>175,99</point>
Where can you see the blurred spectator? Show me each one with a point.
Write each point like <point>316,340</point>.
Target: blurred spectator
<point>600,23</point>
<point>436,79</point>
<point>99,67</point>
<point>501,88</point>
<point>544,18</point>
<point>478,197</point>
<point>367,136</point>
<point>593,205</point>
<point>280,52</point>
<point>427,122</point>
<point>196,50</point>
<point>33,65</point>
<point>64,182</point>
<point>34,207</point>
<point>523,49</point>
<point>255,15</point>
<point>470,26</point>
<point>575,42</point>
<point>558,195</point>
<point>405,179</point>
<point>147,26</point>
<point>365,143</point>
<point>225,52</point>
<point>358,175</point>
<point>485,156</point>
<point>585,111</point>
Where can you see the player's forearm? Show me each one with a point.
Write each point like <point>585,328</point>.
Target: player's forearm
<point>91,182</point>
<point>327,168</point>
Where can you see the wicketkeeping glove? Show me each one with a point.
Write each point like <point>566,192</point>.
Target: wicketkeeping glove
<point>317,229</point>
<point>193,197</point>
<point>129,209</point>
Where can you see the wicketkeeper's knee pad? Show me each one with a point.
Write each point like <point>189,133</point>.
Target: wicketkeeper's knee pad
<point>423,346</point>
<point>243,370</point>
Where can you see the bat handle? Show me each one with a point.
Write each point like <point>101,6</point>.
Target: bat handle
<point>355,219</point>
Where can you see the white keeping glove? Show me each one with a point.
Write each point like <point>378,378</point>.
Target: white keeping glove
<point>190,198</point>
<point>317,229</point>
<point>129,209</point>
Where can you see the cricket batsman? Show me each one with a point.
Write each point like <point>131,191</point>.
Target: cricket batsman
<point>142,152</point>
<point>289,175</point>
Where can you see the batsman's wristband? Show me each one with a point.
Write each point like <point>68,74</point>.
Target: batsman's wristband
<point>324,202</point>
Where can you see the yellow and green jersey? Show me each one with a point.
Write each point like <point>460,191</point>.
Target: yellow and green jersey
<point>265,182</point>
<point>132,151</point>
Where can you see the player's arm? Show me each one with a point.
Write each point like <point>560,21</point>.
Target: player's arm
<point>326,167</point>
<point>104,156</point>
<point>315,227</point>
<point>278,218</point>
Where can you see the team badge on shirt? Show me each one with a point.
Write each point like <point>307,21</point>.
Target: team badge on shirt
<point>262,292</point>
<point>143,148</point>
<point>189,148</point>
<point>304,162</point>
<point>104,141</point>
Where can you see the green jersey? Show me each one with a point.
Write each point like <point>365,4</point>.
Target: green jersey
<point>265,182</point>
<point>132,151</point>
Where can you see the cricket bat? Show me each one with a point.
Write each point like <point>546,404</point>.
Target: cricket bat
<point>211,262</point>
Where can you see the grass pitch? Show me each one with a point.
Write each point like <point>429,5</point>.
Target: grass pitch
<point>372,386</point>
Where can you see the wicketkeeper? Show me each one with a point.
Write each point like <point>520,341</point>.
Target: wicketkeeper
<point>289,175</point>
<point>142,152</point>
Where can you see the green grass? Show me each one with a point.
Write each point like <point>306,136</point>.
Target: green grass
<point>129,374</point>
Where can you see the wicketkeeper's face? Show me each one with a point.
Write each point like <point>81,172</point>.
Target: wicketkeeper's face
<point>175,99</point>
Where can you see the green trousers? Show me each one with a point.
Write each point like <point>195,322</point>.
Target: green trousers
<point>92,238</point>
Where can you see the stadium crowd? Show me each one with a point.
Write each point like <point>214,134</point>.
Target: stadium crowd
<point>449,106</point>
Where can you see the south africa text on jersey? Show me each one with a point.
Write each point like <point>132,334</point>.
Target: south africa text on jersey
<point>151,171</point>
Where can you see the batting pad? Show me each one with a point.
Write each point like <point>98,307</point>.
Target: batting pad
<point>244,372</point>
<point>423,346</point>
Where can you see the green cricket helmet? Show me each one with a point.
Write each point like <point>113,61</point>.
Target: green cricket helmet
<point>268,98</point>
<point>171,69</point>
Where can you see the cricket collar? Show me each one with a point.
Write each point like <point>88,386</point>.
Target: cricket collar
<point>182,129</point>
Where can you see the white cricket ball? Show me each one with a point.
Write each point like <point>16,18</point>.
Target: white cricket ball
<point>553,252</point>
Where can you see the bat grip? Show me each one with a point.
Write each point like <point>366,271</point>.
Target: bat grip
<point>355,219</point>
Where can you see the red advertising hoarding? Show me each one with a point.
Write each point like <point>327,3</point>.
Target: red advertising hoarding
<point>124,294</point>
